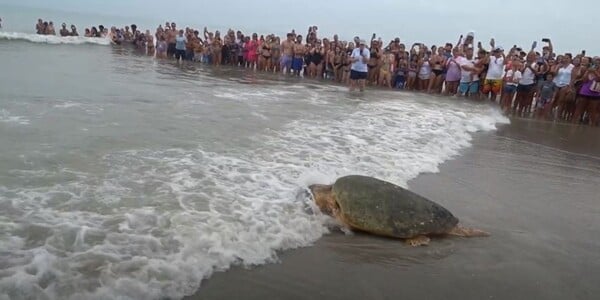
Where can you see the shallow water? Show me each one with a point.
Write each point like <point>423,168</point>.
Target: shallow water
<point>125,176</point>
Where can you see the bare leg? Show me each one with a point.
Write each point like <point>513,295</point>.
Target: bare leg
<point>580,107</point>
<point>388,78</point>
<point>352,85</point>
<point>410,83</point>
<point>320,70</point>
<point>594,111</point>
<point>431,83</point>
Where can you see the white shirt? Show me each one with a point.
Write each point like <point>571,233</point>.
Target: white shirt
<point>563,78</point>
<point>515,79</point>
<point>359,65</point>
<point>528,76</point>
<point>496,68</point>
<point>465,76</point>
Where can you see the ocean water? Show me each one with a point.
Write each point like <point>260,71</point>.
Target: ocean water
<point>122,176</point>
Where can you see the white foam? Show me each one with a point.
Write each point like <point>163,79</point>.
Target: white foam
<point>67,104</point>
<point>52,39</point>
<point>254,95</point>
<point>7,117</point>
<point>159,221</point>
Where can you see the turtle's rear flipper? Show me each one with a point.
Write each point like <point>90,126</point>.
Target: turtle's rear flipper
<point>467,232</point>
<point>417,241</point>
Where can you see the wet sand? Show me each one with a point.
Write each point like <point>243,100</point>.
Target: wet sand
<point>533,185</point>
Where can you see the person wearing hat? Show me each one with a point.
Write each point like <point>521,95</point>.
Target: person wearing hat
<point>495,73</point>
<point>358,70</point>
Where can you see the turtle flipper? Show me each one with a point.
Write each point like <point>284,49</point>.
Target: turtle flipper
<point>467,232</point>
<point>417,241</point>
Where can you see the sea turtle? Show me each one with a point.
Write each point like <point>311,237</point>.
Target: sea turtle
<point>382,208</point>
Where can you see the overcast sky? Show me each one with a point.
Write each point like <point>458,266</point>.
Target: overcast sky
<point>434,21</point>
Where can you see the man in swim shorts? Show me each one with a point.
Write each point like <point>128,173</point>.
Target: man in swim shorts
<point>288,54</point>
<point>495,73</point>
<point>180,46</point>
<point>469,81</point>
<point>298,61</point>
<point>171,36</point>
<point>358,70</point>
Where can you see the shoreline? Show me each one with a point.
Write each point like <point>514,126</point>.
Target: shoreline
<point>535,251</point>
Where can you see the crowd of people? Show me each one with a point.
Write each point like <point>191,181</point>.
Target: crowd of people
<point>532,81</point>
<point>47,28</point>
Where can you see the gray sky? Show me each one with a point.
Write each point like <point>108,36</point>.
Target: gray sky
<point>434,21</point>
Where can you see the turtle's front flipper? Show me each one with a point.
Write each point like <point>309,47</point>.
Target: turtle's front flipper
<point>419,240</point>
<point>467,232</point>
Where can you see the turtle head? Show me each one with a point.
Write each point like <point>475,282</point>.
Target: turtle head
<point>323,197</point>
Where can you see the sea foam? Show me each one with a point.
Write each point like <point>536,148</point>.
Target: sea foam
<point>52,39</point>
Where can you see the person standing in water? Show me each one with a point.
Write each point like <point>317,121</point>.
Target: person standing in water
<point>64,31</point>
<point>358,71</point>
<point>180,43</point>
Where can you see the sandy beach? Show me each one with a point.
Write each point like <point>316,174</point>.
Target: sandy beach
<point>532,185</point>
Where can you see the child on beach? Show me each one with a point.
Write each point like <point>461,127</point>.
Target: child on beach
<point>545,97</point>
<point>400,79</point>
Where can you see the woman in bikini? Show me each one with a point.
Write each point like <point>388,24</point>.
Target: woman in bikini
<point>373,63</point>
<point>386,69</point>
<point>264,59</point>
<point>149,43</point>
<point>318,60</point>
<point>413,68</point>
<point>217,47</point>
<point>337,64</point>
<point>326,67</point>
<point>346,62</point>
<point>438,62</point>
<point>276,55</point>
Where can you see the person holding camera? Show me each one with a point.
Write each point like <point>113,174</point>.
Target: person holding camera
<point>359,70</point>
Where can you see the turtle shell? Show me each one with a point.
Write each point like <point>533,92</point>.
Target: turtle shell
<point>372,205</point>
